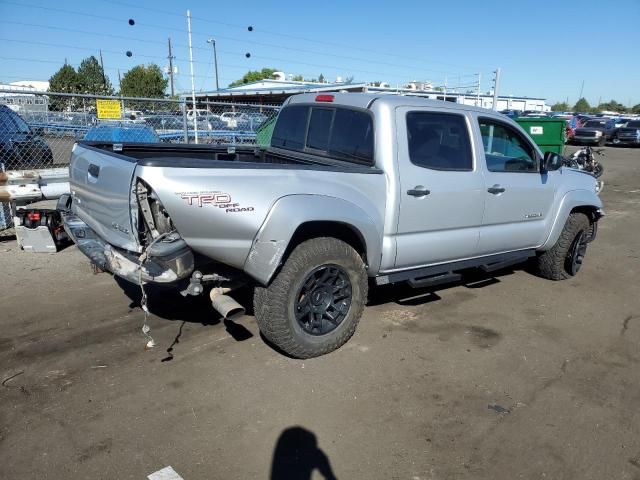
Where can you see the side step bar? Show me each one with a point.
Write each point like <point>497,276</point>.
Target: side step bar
<point>445,273</point>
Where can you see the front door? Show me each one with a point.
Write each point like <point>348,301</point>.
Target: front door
<point>518,198</point>
<point>441,188</point>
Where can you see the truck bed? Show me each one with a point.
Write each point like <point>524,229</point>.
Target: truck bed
<point>217,156</point>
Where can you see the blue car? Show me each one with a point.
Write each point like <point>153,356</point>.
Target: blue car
<point>122,133</point>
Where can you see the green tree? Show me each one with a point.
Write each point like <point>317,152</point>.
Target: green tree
<point>612,105</point>
<point>254,76</point>
<point>321,78</point>
<point>92,77</point>
<point>560,107</point>
<point>582,106</point>
<point>143,81</point>
<point>64,80</point>
<point>298,78</point>
<point>636,108</point>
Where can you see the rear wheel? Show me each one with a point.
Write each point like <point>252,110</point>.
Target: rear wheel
<point>565,258</point>
<point>314,304</point>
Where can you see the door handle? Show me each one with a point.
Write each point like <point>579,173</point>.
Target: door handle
<point>496,189</point>
<point>418,191</point>
<point>94,170</point>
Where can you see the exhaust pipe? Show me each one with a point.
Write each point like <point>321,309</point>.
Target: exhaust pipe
<point>225,305</point>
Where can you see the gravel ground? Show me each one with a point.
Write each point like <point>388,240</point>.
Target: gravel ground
<point>499,377</point>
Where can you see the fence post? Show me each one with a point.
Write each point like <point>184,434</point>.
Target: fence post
<point>183,107</point>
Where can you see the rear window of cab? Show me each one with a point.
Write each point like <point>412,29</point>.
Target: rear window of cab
<point>336,132</point>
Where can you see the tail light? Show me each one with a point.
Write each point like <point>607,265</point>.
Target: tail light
<point>324,98</point>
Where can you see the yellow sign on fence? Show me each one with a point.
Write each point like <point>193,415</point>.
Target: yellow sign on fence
<point>108,109</point>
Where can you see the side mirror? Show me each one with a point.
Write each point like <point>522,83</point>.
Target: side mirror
<point>551,161</point>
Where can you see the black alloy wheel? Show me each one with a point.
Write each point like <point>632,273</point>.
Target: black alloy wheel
<point>576,253</point>
<point>323,300</point>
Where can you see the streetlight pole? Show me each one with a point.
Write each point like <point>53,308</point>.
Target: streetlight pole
<point>215,59</point>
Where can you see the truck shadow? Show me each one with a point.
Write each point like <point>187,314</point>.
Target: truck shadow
<point>403,294</point>
<point>168,304</point>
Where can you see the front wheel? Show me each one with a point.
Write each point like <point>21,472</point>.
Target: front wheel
<point>565,258</point>
<point>598,170</point>
<point>315,302</point>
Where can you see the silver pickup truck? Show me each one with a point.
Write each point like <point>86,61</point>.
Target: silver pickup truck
<point>355,188</point>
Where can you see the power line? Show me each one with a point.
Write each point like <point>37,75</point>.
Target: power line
<point>337,67</point>
<point>270,45</point>
<point>280,34</point>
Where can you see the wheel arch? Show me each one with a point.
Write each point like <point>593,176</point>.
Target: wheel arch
<point>296,218</point>
<point>575,201</point>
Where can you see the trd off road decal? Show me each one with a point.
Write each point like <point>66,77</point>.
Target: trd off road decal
<point>214,199</point>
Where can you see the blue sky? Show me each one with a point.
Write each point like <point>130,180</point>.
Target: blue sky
<point>545,48</point>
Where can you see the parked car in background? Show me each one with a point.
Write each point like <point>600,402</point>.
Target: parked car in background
<point>255,120</point>
<point>165,122</point>
<point>133,114</point>
<point>621,122</point>
<point>197,113</point>
<point>533,113</point>
<point>628,134</point>
<point>20,146</point>
<point>596,130</point>
<point>235,120</point>
<point>582,118</point>
<point>511,113</point>
<point>120,132</point>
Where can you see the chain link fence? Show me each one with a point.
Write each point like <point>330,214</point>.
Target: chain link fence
<point>38,131</point>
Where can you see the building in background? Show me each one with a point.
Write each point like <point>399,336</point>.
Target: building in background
<point>25,102</point>
<point>274,92</point>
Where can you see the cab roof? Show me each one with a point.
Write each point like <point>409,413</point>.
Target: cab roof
<point>365,100</point>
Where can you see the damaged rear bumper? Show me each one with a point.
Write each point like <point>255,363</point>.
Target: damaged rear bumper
<point>167,261</point>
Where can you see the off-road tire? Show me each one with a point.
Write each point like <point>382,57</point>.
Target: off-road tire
<point>274,305</point>
<point>554,264</point>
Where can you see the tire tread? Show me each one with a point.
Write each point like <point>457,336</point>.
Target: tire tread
<point>270,303</point>
<point>551,264</point>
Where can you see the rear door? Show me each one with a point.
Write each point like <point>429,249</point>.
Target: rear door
<point>441,188</point>
<point>517,197</point>
<point>101,190</point>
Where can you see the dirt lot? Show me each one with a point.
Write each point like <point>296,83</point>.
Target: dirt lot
<point>497,378</point>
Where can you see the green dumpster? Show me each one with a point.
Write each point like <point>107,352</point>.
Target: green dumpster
<point>548,133</point>
<point>263,135</point>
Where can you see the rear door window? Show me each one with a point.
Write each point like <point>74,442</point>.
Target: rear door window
<point>439,141</point>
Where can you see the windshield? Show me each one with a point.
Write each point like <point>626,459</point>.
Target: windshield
<point>595,123</point>
<point>21,125</point>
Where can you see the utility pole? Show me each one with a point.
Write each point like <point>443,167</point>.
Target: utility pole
<point>478,92</point>
<point>121,100</point>
<point>215,60</point>
<point>581,90</point>
<point>496,85</point>
<point>104,79</point>
<point>171,57</point>
<point>193,84</point>
<point>445,89</point>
